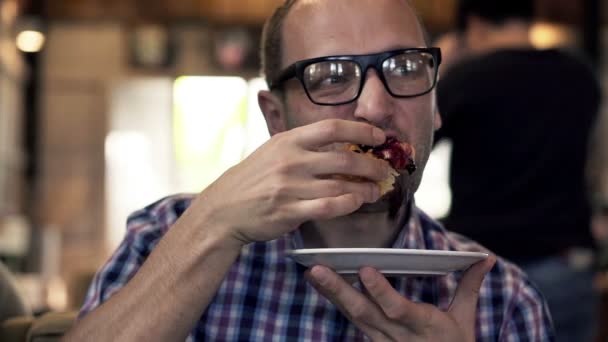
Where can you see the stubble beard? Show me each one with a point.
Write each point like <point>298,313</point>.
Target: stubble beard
<point>395,200</point>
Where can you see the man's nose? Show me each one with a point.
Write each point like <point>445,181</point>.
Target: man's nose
<point>374,103</point>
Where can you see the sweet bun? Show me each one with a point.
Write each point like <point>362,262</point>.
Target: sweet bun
<point>399,155</point>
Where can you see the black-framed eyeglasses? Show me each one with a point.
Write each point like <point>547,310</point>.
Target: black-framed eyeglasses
<point>337,80</point>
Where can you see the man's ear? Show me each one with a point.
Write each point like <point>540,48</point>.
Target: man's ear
<point>438,121</point>
<point>274,112</point>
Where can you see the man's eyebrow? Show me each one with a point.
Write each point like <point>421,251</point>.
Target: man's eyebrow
<point>404,47</point>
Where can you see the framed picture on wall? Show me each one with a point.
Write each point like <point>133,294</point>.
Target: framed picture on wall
<point>151,46</point>
<point>235,48</point>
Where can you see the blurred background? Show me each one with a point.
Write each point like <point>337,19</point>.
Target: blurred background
<point>109,105</point>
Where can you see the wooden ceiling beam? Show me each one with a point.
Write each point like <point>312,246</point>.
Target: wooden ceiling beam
<point>439,15</point>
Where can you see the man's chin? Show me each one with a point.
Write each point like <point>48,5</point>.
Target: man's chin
<point>382,205</point>
<point>389,203</point>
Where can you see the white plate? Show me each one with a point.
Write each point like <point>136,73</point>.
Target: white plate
<point>387,260</point>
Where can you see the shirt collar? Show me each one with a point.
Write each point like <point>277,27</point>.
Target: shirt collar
<point>410,236</point>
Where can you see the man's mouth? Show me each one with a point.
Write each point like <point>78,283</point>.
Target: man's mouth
<point>399,155</point>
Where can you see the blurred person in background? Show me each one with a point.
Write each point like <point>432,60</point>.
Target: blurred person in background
<point>519,120</point>
<point>213,266</point>
<point>598,187</point>
<point>452,48</point>
<point>597,173</point>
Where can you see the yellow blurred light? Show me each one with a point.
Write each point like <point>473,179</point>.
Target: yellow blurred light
<point>57,297</point>
<point>30,41</point>
<point>546,35</point>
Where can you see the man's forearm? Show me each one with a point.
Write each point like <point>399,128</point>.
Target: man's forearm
<point>168,294</point>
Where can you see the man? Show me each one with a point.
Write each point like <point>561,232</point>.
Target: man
<point>519,120</point>
<point>215,265</point>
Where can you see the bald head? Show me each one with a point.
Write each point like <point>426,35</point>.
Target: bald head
<point>296,16</point>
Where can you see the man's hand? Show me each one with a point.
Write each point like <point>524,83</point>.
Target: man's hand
<point>384,315</point>
<point>287,182</point>
<point>282,184</point>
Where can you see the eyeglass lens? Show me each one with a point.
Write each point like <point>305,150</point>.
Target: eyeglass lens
<point>337,81</point>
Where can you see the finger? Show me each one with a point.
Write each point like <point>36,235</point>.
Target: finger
<point>326,132</point>
<point>394,306</point>
<point>326,208</point>
<point>323,188</point>
<point>464,304</point>
<point>353,304</point>
<point>348,163</point>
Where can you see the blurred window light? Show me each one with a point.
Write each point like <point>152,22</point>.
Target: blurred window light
<point>130,180</point>
<point>139,159</point>
<point>30,41</point>
<point>434,195</point>
<point>545,35</point>
<point>126,145</point>
<point>215,127</point>
<point>257,131</point>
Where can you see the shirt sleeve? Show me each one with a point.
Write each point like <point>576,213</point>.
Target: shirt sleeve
<point>143,233</point>
<point>528,318</point>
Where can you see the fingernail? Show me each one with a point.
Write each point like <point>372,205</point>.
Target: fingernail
<point>375,192</point>
<point>320,275</point>
<point>368,277</point>
<point>379,135</point>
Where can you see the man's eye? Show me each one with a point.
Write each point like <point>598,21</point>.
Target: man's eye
<point>406,70</point>
<point>333,79</point>
<point>329,81</point>
<point>402,70</point>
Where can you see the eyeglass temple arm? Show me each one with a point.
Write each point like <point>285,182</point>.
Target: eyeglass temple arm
<point>284,76</point>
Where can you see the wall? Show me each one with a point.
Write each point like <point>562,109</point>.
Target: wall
<point>78,63</point>
<point>12,73</point>
<point>84,65</point>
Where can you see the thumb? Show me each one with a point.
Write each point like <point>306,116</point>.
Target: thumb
<point>464,306</point>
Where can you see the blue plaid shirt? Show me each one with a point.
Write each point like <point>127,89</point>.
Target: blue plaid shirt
<point>265,296</point>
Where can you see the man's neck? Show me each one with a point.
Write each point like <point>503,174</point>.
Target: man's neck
<point>359,230</point>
